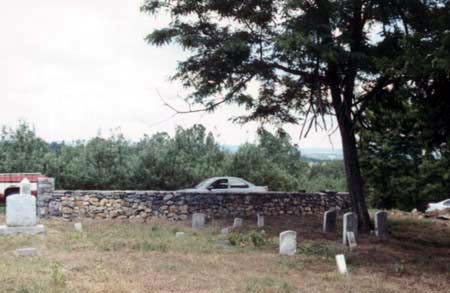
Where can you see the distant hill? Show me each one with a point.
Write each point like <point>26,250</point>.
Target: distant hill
<point>308,154</point>
<point>322,154</point>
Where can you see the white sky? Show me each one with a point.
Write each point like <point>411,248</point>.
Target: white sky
<point>74,67</point>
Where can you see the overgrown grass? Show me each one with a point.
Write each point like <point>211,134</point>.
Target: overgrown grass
<point>125,257</point>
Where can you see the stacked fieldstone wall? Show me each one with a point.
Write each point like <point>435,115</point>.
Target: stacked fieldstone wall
<point>144,205</point>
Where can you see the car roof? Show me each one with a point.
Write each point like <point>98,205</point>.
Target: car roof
<point>227,177</point>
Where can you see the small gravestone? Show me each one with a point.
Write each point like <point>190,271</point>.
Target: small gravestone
<point>288,243</point>
<point>238,222</point>
<point>30,251</point>
<point>350,224</point>
<point>198,221</point>
<point>329,221</point>
<point>78,227</point>
<point>226,230</point>
<point>259,220</point>
<point>351,239</point>
<point>179,234</point>
<point>21,213</point>
<point>380,223</point>
<point>341,264</point>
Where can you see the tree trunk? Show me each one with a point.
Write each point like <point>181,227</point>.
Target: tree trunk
<point>352,170</point>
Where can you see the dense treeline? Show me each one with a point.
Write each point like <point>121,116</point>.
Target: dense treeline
<point>164,162</point>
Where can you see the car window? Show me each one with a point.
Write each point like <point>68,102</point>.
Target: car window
<point>220,184</point>
<point>447,203</point>
<point>236,183</point>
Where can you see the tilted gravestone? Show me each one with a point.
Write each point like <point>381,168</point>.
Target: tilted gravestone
<point>380,223</point>
<point>198,221</point>
<point>21,212</point>
<point>329,221</point>
<point>341,264</point>
<point>350,224</point>
<point>238,222</point>
<point>288,243</point>
<point>260,220</point>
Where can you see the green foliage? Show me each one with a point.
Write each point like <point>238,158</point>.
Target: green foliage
<point>164,162</point>
<point>253,238</point>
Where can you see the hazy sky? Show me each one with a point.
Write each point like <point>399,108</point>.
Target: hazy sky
<point>74,67</point>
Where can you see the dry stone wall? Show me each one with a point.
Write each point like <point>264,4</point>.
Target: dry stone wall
<point>144,205</point>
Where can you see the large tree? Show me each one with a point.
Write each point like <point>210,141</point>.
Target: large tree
<point>309,59</point>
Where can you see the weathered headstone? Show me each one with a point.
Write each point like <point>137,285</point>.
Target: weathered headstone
<point>198,221</point>
<point>78,227</point>
<point>351,239</point>
<point>260,220</point>
<point>25,186</point>
<point>288,243</point>
<point>341,264</point>
<point>380,223</point>
<point>238,222</point>
<point>350,224</point>
<point>21,213</point>
<point>226,230</point>
<point>329,221</point>
<point>29,251</point>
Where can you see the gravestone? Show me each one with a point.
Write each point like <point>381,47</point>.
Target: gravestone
<point>78,227</point>
<point>341,264</point>
<point>350,224</point>
<point>226,230</point>
<point>288,243</point>
<point>180,234</point>
<point>260,220</point>
<point>198,221</point>
<point>351,239</point>
<point>238,222</point>
<point>329,221</point>
<point>21,213</point>
<point>380,223</point>
<point>29,251</point>
<point>25,186</point>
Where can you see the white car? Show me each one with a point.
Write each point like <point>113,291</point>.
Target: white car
<point>225,184</point>
<point>445,204</point>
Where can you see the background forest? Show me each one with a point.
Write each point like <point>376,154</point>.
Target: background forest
<point>398,171</point>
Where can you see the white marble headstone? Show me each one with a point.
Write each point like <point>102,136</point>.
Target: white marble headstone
<point>20,210</point>
<point>288,243</point>
<point>78,227</point>
<point>25,187</point>
<point>341,264</point>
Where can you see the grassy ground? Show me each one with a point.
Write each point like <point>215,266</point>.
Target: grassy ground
<point>125,257</point>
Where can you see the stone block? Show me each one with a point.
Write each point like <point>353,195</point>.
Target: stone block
<point>31,230</point>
